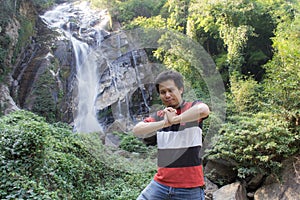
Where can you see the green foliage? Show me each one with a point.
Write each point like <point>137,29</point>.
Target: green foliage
<point>236,33</point>
<point>22,148</point>
<point>104,4</point>
<point>255,143</point>
<point>7,10</point>
<point>241,27</point>
<point>178,12</point>
<point>126,11</point>
<point>263,118</point>
<point>246,95</point>
<point>283,72</point>
<point>47,96</point>
<point>132,144</point>
<point>175,18</point>
<point>4,41</point>
<point>49,161</point>
<point>153,22</point>
<point>43,3</point>
<point>25,32</point>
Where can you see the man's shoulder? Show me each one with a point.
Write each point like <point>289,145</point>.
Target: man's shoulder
<point>188,104</point>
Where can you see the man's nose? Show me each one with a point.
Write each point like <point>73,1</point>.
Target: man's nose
<point>168,94</point>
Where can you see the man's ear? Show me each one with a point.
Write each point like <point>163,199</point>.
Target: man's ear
<point>181,90</point>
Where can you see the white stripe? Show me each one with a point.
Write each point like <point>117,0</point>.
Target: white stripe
<point>189,137</point>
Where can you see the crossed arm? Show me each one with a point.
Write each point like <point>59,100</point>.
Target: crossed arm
<point>196,112</point>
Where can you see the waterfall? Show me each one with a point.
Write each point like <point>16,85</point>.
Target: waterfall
<point>63,18</point>
<point>140,84</point>
<point>100,54</point>
<point>87,78</point>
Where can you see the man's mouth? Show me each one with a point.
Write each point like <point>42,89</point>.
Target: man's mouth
<point>169,102</point>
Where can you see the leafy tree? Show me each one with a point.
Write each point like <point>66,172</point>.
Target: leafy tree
<point>283,72</point>
<point>151,23</point>
<point>178,12</point>
<point>237,26</point>
<point>126,11</point>
<point>245,96</point>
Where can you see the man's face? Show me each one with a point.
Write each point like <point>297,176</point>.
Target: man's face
<point>170,94</point>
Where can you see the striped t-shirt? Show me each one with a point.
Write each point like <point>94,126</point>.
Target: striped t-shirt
<point>179,164</point>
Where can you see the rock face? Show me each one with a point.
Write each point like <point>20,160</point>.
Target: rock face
<point>6,101</point>
<point>285,189</point>
<point>43,75</point>
<point>37,79</point>
<point>285,186</point>
<point>234,191</point>
<point>220,172</point>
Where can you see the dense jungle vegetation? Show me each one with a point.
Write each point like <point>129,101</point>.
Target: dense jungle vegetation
<point>256,47</point>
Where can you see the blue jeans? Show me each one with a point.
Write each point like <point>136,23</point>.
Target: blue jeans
<point>157,191</point>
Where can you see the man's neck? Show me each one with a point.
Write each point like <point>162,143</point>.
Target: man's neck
<point>179,105</point>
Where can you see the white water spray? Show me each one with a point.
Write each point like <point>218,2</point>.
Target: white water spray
<point>87,78</point>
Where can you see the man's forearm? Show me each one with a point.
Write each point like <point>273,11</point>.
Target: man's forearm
<point>144,128</point>
<point>196,112</point>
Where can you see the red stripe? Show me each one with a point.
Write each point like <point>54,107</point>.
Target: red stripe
<point>184,177</point>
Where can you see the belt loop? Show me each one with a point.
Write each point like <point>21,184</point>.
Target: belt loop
<point>171,191</point>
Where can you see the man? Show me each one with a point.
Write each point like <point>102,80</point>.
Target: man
<point>179,139</point>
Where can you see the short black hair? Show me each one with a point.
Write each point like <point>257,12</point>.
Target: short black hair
<point>169,75</point>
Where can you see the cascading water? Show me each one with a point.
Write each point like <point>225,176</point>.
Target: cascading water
<point>87,78</point>
<point>140,84</point>
<point>63,18</point>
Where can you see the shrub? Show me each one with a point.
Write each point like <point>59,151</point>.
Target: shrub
<point>132,144</point>
<point>39,160</point>
<point>246,95</point>
<point>255,143</point>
